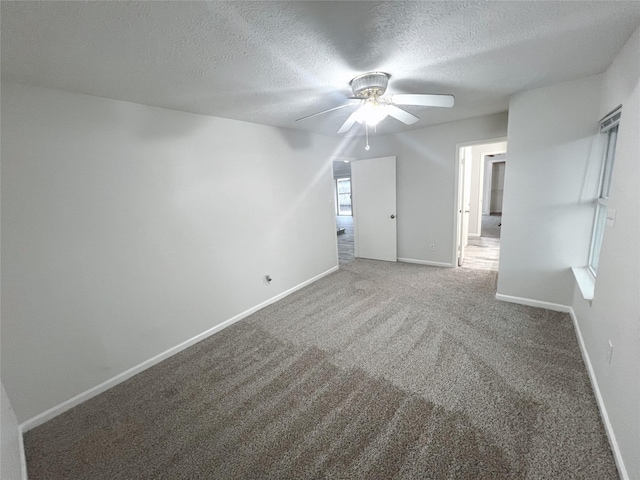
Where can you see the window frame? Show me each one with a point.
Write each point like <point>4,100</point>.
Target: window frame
<point>338,180</point>
<point>609,127</point>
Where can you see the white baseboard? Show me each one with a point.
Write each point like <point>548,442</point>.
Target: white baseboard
<point>121,377</point>
<point>425,262</point>
<point>557,307</point>
<point>617,455</point>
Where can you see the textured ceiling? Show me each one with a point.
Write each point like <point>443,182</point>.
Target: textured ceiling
<point>273,62</point>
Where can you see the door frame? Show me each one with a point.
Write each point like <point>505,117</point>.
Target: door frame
<point>456,190</point>
<point>488,171</point>
<point>465,166</point>
<point>482,184</point>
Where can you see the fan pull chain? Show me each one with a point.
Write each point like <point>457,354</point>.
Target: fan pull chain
<point>366,131</point>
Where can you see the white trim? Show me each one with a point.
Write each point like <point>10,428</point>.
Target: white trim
<point>585,280</point>
<point>534,303</point>
<point>425,262</point>
<point>23,457</point>
<point>474,143</point>
<point>617,455</point>
<point>121,377</point>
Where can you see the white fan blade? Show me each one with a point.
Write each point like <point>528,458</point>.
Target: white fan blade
<point>423,99</point>
<point>399,114</point>
<point>326,111</point>
<point>353,118</point>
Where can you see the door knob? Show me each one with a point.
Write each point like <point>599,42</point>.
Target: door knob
<point>393,216</point>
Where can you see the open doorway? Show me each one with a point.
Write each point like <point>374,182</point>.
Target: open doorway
<point>343,211</point>
<point>493,189</point>
<point>481,168</point>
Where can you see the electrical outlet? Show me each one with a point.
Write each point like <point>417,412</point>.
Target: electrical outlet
<point>432,247</point>
<point>609,352</point>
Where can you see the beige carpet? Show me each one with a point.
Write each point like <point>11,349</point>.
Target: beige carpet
<point>377,371</point>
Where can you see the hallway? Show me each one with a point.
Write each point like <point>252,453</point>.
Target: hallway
<point>483,253</point>
<point>346,249</point>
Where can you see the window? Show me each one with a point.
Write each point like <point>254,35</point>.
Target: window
<point>609,129</point>
<point>344,196</point>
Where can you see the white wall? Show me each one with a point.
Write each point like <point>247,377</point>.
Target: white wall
<point>129,229</point>
<point>614,313</point>
<point>550,190</point>
<point>426,181</point>
<point>548,197</point>
<point>10,462</point>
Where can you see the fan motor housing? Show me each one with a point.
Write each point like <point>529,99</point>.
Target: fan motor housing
<point>372,84</point>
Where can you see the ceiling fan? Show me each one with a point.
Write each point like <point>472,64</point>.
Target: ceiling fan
<point>373,106</point>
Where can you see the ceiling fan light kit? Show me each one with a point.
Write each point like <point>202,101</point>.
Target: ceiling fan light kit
<point>373,107</point>
<point>372,113</point>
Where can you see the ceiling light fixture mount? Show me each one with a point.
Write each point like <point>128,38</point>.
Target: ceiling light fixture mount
<point>370,85</point>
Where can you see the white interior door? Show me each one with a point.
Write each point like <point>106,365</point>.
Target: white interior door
<point>464,201</point>
<point>373,192</point>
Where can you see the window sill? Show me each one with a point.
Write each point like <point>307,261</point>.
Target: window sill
<point>585,280</point>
